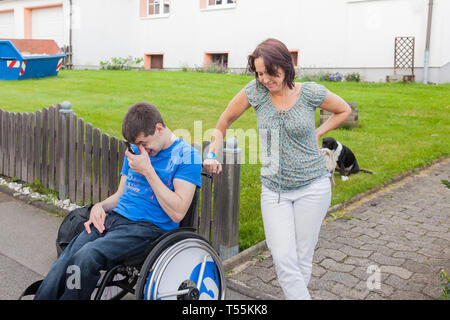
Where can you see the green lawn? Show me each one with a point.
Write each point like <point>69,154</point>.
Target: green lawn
<point>402,126</point>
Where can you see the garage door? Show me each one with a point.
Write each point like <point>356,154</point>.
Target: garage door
<point>48,23</point>
<point>7,24</point>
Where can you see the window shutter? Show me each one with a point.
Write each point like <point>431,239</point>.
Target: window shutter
<point>143,9</point>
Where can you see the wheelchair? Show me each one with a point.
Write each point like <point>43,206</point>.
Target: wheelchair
<point>179,265</point>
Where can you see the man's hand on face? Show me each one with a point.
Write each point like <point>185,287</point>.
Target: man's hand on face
<point>139,163</point>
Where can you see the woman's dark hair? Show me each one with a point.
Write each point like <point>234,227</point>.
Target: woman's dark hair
<point>275,55</point>
<point>141,118</point>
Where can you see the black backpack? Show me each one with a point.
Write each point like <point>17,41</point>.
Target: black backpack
<point>72,225</point>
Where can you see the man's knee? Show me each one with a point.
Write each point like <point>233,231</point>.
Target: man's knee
<point>86,259</point>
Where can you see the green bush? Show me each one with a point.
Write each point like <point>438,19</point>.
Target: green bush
<point>445,285</point>
<point>121,63</point>
<point>353,77</point>
<point>318,76</point>
<point>214,68</point>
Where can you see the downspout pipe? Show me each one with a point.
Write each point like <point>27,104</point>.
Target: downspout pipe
<point>70,34</point>
<point>427,44</point>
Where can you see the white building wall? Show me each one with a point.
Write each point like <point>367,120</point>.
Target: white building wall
<point>331,35</point>
<point>19,18</point>
<point>103,31</point>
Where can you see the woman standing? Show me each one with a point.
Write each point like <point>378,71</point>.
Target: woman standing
<point>296,190</point>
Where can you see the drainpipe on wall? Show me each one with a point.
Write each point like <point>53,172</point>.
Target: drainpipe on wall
<point>70,35</point>
<point>427,45</point>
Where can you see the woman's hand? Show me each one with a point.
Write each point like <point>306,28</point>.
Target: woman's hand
<point>97,217</point>
<point>212,166</point>
<point>318,141</point>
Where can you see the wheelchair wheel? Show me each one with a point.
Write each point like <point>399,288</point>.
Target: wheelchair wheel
<point>184,267</point>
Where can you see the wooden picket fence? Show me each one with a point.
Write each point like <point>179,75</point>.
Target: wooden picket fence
<point>54,147</point>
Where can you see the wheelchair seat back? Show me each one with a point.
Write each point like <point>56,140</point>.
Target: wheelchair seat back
<point>191,214</point>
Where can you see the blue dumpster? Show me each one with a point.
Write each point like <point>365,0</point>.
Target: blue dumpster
<point>26,58</point>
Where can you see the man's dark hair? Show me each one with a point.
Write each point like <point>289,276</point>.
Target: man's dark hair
<point>141,118</point>
<point>275,54</point>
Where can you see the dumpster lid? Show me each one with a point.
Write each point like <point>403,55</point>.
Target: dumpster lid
<point>35,47</point>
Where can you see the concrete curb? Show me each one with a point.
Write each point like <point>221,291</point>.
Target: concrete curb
<point>51,208</point>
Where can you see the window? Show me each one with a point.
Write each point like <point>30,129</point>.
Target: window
<point>153,61</point>
<point>219,4</point>
<point>158,8</point>
<point>219,59</point>
<point>294,55</point>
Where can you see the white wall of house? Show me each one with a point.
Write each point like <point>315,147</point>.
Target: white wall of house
<point>331,35</point>
<point>47,21</point>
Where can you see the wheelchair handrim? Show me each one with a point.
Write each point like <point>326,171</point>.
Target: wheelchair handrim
<point>159,267</point>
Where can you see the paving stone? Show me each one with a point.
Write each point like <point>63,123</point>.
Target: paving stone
<point>377,248</point>
<point>401,272</point>
<point>385,290</point>
<point>370,232</point>
<point>265,274</point>
<point>385,260</point>
<point>415,266</point>
<point>266,288</point>
<point>359,262</point>
<point>366,239</point>
<point>330,264</point>
<point>349,293</point>
<point>374,296</point>
<point>355,243</point>
<point>317,271</point>
<point>400,284</point>
<point>244,276</point>
<point>267,262</point>
<point>322,243</point>
<point>400,247</point>
<point>432,291</point>
<point>321,284</point>
<point>341,277</point>
<point>355,252</point>
<point>336,255</point>
<point>408,295</point>
<point>323,295</point>
<point>360,273</point>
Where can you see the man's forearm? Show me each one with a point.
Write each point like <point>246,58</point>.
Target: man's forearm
<point>169,201</point>
<point>110,203</point>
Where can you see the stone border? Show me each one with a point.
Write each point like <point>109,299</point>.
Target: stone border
<point>51,208</point>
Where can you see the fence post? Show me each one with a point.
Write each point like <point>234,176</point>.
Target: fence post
<point>226,202</point>
<point>63,183</point>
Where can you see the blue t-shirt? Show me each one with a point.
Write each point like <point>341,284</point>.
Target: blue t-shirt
<point>138,201</point>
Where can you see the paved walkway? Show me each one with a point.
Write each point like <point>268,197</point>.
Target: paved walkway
<point>403,232</point>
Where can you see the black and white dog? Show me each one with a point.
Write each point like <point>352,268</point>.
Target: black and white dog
<point>342,157</point>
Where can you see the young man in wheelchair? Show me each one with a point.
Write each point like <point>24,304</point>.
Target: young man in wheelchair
<point>156,188</point>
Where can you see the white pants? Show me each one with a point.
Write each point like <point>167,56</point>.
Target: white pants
<point>292,229</point>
